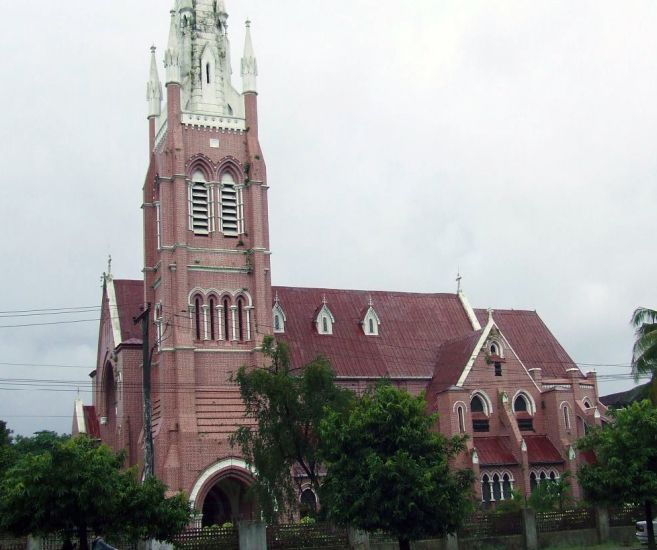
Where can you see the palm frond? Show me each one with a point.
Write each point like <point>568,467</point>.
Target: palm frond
<point>644,350</point>
<point>642,316</point>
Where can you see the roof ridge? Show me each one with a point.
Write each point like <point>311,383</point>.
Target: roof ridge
<point>365,290</point>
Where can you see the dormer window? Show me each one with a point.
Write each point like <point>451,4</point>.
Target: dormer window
<point>371,322</point>
<point>278,315</point>
<point>324,320</point>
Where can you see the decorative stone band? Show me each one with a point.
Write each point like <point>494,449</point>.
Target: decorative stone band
<point>215,122</point>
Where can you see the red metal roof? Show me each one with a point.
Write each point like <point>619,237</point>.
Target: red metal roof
<point>451,359</point>
<point>532,341</point>
<point>129,300</point>
<point>541,451</point>
<point>494,451</point>
<point>91,421</point>
<point>412,328</point>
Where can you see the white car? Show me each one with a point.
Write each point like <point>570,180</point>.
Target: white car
<point>642,532</point>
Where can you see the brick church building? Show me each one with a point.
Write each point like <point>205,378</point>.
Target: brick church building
<point>498,376</point>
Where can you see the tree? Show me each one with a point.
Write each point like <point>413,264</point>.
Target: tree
<point>551,494</point>
<point>6,452</point>
<point>287,408</point>
<point>386,469</point>
<point>625,470</point>
<point>644,353</point>
<point>78,486</point>
<point>38,443</point>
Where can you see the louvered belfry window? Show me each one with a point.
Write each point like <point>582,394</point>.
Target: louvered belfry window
<point>200,205</point>
<point>232,217</point>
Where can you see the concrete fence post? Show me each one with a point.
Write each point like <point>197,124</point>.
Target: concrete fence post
<point>529,524</point>
<point>452,542</point>
<point>253,535</point>
<point>602,523</point>
<point>358,540</point>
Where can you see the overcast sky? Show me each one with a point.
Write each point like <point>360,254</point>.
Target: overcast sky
<point>512,140</point>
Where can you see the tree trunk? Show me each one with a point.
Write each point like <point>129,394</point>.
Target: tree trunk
<point>404,544</point>
<point>82,539</point>
<point>649,526</point>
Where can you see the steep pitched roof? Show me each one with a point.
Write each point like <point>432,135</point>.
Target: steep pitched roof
<point>540,450</point>
<point>412,328</point>
<point>494,451</point>
<point>532,341</point>
<point>451,359</point>
<point>129,299</point>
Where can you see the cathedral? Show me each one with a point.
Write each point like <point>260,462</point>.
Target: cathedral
<point>500,377</point>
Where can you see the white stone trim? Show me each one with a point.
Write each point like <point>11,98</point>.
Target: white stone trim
<point>475,353</point>
<point>215,469</point>
<point>79,415</point>
<point>469,311</point>
<point>487,401</point>
<point>211,121</point>
<point>113,311</point>
<point>528,397</point>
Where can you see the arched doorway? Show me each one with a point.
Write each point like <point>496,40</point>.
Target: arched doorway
<point>222,494</point>
<point>227,501</point>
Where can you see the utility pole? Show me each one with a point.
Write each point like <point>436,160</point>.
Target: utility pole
<point>149,461</point>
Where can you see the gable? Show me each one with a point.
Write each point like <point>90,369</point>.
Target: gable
<point>532,341</point>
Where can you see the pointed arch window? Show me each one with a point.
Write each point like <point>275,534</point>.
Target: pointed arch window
<point>226,314</point>
<point>232,207</point>
<point>213,322</point>
<point>461,418</point>
<point>566,416</point>
<point>198,304</point>
<point>200,205</point>
<point>480,411</point>
<point>520,404</point>
<point>240,320</point>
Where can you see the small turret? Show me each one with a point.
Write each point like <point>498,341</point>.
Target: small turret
<point>172,54</point>
<point>249,64</point>
<point>154,89</point>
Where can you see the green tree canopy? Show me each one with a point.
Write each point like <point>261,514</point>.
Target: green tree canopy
<point>287,408</point>
<point>644,353</point>
<point>387,469</point>
<point>625,470</point>
<point>6,451</point>
<point>551,494</point>
<point>79,485</point>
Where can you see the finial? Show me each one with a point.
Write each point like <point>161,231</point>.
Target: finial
<point>109,264</point>
<point>458,281</point>
<point>324,300</point>
<point>370,301</point>
<point>249,63</point>
<point>153,49</point>
<point>276,300</point>
<point>490,313</point>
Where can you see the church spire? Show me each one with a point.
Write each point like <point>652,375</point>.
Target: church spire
<point>154,89</point>
<point>172,54</point>
<point>249,64</point>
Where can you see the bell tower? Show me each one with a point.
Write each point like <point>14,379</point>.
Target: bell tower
<point>206,250</point>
